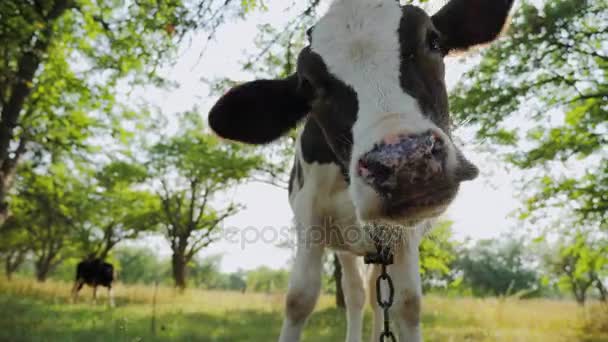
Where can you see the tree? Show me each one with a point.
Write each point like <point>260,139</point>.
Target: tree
<point>13,246</point>
<point>337,278</point>
<point>45,207</point>
<point>496,268</point>
<point>115,209</point>
<point>542,91</point>
<point>191,169</point>
<point>141,265</point>
<point>264,279</point>
<point>575,261</point>
<point>205,273</point>
<point>437,253</point>
<point>63,61</point>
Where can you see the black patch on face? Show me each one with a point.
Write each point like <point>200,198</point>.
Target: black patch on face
<point>422,71</point>
<point>314,146</point>
<point>316,149</point>
<point>297,175</point>
<point>327,135</point>
<point>292,178</point>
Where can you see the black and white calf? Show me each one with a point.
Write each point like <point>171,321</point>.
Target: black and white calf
<point>94,272</point>
<point>375,155</point>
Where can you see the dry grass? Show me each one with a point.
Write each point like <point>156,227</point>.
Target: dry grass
<point>198,315</point>
<point>191,299</point>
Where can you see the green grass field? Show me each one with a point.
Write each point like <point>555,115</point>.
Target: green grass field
<point>42,312</point>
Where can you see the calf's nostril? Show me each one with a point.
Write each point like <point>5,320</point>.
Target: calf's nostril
<point>374,170</point>
<point>403,158</point>
<point>380,171</point>
<point>363,170</point>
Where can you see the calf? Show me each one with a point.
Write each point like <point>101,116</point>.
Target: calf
<point>94,272</point>
<point>375,162</point>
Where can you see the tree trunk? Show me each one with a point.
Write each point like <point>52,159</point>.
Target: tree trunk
<point>4,213</point>
<point>580,291</point>
<point>602,290</point>
<point>27,65</point>
<point>12,262</point>
<point>179,270</point>
<point>43,268</point>
<point>580,298</point>
<point>108,241</point>
<point>45,264</point>
<point>8,271</point>
<point>103,254</point>
<point>338,280</point>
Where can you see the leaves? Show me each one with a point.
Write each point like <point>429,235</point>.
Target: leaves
<point>547,81</point>
<point>63,62</point>
<point>193,167</point>
<point>496,267</point>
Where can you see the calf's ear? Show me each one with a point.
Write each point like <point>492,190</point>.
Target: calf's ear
<point>259,112</point>
<point>466,23</point>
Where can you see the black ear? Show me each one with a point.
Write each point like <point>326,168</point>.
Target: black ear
<point>259,112</point>
<point>466,23</point>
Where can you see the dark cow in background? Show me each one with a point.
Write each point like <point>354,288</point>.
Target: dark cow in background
<point>94,272</point>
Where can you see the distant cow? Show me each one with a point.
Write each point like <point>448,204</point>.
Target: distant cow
<point>94,272</point>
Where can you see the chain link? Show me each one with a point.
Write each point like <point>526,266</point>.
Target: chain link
<point>383,257</point>
<point>386,335</point>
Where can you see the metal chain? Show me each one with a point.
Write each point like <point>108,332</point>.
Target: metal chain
<point>383,257</point>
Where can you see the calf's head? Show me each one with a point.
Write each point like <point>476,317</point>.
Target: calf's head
<point>372,78</point>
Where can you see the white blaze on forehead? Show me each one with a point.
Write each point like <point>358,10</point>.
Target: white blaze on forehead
<point>359,42</point>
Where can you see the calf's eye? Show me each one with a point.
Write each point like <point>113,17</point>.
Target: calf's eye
<point>434,41</point>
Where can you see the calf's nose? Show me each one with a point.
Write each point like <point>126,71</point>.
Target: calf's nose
<point>420,158</point>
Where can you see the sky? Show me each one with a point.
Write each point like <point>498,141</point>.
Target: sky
<point>482,209</point>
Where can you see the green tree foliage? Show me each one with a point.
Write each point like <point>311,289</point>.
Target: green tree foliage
<point>205,273</point>
<point>116,209</point>
<point>543,92</point>
<point>264,279</point>
<point>193,167</point>
<point>437,252</point>
<point>496,268</point>
<point>62,63</point>
<point>13,246</point>
<point>140,265</point>
<point>65,70</point>
<point>577,260</point>
<point>62,209</point>
<point>46,208</point>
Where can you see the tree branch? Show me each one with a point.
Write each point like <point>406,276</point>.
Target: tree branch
<point>203,206</point>
<point>198,244</point>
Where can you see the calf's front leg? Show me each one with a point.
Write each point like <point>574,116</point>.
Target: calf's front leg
<point>303,291</point>
<point>408,291</point>
<point>354,295</point>
<point>377,322</point>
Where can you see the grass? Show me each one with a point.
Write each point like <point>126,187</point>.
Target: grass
<point>41,312</point>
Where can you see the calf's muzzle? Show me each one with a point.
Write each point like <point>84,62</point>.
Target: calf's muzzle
<point>398,160</point>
